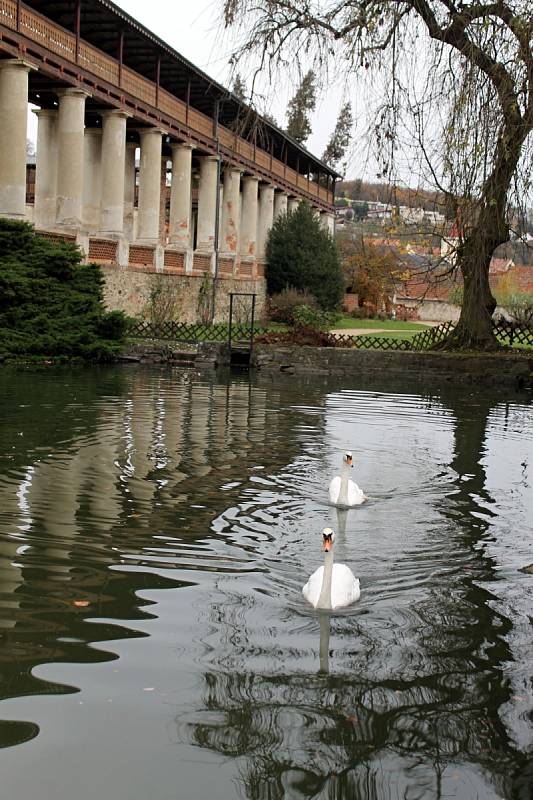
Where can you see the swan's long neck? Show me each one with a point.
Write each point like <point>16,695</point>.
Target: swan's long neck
<point>345,475</point>
<point>324,600</point>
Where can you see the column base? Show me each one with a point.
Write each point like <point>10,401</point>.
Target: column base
<point>187,255</point>
<point>203,257</point>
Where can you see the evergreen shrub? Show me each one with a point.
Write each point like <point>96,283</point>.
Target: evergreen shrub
<point>50,303</point>
<point>302,255</point>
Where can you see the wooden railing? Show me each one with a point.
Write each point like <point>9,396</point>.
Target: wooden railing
<point>62,42</point>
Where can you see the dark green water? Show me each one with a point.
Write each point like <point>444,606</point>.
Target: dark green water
<point>156,529</point>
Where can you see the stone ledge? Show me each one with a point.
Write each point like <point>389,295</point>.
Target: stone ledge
<point>498,369</point>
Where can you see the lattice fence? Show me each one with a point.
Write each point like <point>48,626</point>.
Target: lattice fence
<point>507,333</point>
<point>513,334</point>
<point>190,332</point>
<point>364,342</point>
<point>430,337</point>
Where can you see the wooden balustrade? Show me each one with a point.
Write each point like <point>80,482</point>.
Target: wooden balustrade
<point>96,62</point>
<point>62,42</point>
<point>8,13</point>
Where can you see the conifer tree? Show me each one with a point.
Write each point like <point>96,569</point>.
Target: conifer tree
<point>340,138</point>
<point>300,107</point>
<point>239,87</point>
<point>302,255</point>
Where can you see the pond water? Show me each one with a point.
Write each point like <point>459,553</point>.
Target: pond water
<point>156,528</point>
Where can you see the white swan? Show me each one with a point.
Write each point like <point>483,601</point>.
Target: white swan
<point>333,585</point>
<point>343,491</point>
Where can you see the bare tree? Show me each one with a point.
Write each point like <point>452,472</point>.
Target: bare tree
<point>457,77</point>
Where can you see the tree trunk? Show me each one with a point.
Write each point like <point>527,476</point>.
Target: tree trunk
<point>474,330</point>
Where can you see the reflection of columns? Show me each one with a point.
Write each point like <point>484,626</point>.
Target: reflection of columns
<point>92,178</point>
<point>180,196</point>
<point>265,218</point>
<point>231,211</point>
<point>129,190</point>
<point>13,129</point>
<point>249,217</point>
<point>327,221</point>
<point>113,172</point>
<point>149,186</point>
<point>70,137</point>
<point>292,204</point>
<point>280,204</point>
<point>46,169</point>
<point>207,198</point>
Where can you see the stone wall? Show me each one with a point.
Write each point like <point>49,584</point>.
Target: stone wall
<point>505,369</point>
<point>129,290</point>
<point>434,310</point>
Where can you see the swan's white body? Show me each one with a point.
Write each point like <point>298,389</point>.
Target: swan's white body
<point>352,495</point>
<point>343,491</point>
<point>332,586</point>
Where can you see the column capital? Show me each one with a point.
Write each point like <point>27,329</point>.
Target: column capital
<point>181,146</point>
<point>114,112</point>
<point>151,131</point>
<point>18,62</point>
<point>73,91</point>
<point>45,112</point>
<point>210,157</point>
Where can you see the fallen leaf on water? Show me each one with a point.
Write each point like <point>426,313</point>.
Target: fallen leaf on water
<point>80,603</point>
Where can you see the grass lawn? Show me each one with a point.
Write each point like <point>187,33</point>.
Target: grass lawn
<point>388,324</point>
<point>392,334</point>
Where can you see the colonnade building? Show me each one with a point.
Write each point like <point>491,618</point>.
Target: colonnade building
<point>142,159</point>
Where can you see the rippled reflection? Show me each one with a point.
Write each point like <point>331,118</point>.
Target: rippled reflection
<point>155,532</point>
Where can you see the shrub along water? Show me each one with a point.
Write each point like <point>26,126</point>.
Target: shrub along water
<point>302,255</point>
<point>50,303</point>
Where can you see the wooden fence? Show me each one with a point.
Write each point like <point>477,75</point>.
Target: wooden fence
<point>191,332</point>
<point>506,332</point>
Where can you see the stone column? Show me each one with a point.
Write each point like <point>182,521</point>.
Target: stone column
<point>280,204</point>
<point>149,186</point>
<point>249,217</point>
<point>129,190</point>
<point>44,215</point>
<point>70,139</point>
<point>113,172</point>
<point>327,220</point>
<point>92,180</point>
<point>207,198</point>
<point>180,196</point>
<point>13,130</point>
<point>231,211</point>
<point>265,218</point>
<point>292,204</point>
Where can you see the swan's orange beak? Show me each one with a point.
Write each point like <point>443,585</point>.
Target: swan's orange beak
<point>349,461</point>
<point>327,543</point>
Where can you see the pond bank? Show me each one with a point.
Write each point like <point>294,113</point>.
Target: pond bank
<point>498,369</point>
<point>506,369</point>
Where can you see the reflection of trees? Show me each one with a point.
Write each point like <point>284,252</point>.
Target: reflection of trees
<point>410,707</point>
